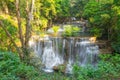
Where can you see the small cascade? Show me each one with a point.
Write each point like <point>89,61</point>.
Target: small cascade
<point>38,48</point>
<point>50,51</point>
<point>71,54</point>
<point>48,57</point>
<point>87,52</point>
<point>57,45</point>
<point>36,45</point>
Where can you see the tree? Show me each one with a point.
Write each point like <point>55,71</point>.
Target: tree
<point>78,7</point>
<point>99,15</point>
<point>24,38</point>
<point>115,26</point>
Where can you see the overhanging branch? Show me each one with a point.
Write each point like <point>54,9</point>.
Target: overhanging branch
<point>11,39</point>
<point>19,22</point>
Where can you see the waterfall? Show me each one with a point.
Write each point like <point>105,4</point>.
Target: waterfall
<point>48,57</point>
<point>52,54</point>
<point>82,51</point>
<point>57,45</point>
<point>52,50</point>
<point>87,52</point>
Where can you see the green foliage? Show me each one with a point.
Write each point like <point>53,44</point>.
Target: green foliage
<point>7,6</point>
<point>105,15</point>
<point>78,7</point>
<point>116,43</point>
<point>107,68</point>
<point>11,68</point>
<point>63,8</point>
<point>91,8</point>
<point>55,28</point>
<point>11,26</point>
<point>98,14</point>
<point>115,36</point>
<point>96,32</point>
<point>71,31</point>
<point>45,11</point>
<point>48,8</point>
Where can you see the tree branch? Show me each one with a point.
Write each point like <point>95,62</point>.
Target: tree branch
<point>19,22</point>
<point>12,40</point>
<point>29,12</point>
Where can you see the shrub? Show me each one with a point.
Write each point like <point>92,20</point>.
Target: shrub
<point>107,68</point>
<point>55,29</point>
<point>71,31</point>
<point>12,69</point>
<point>11,27</point>
<point>116,43</point>
<point>96,32</point>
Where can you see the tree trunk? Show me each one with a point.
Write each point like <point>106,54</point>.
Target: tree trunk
<point>23,50</point>
<point>5,7</point>
<point>29,18</point>
<point>19,23</point>
<point>12,40</point>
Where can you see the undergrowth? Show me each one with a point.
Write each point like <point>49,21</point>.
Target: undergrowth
<point>11,68</point>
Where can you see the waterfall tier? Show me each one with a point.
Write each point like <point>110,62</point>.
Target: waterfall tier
<point>55,51</point>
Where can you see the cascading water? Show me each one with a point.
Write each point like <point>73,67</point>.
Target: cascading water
<point>82,51</point>
<point>57,45</point>
<point>48,57</point>
<point>87,52</point>
<point>37,46</point>
<point>52,51</point>
<point>71,54</point>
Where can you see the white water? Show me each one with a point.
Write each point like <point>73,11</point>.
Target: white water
<point>87,52</point>
<point>71,57</point>
<point>52,51</point>
<point>51,55</point>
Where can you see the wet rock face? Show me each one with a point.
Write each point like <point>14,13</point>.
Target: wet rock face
<point>104,46</point>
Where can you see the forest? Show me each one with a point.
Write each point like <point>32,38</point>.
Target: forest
<point>23,21</point>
